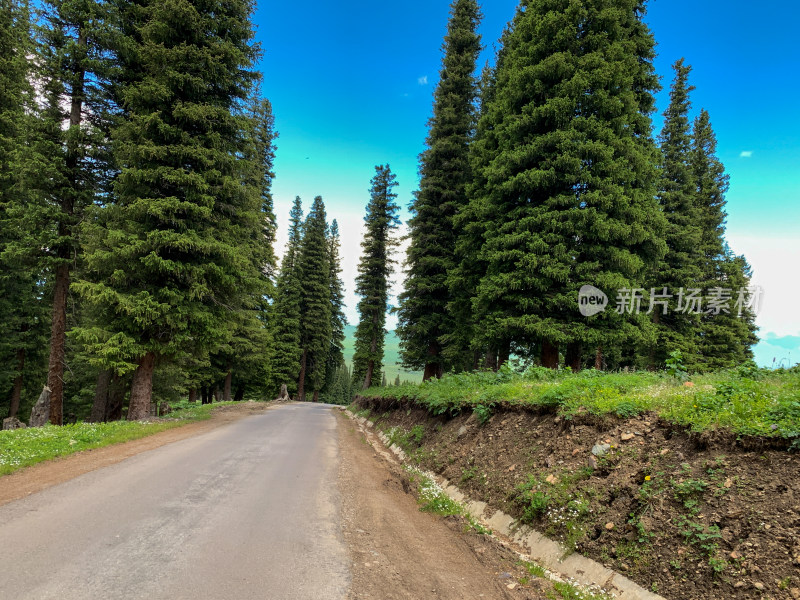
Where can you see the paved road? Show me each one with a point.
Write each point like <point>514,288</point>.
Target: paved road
<point>246,511</point>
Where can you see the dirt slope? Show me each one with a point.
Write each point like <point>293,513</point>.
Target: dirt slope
<point>686,516</point>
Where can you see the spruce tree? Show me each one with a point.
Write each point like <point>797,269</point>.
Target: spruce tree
<point>262,156</point>
<point>284,314</point>
<point>567,178</point>
<point>315,302</point>
<point>462,347</point>
<point>22,304</point>
<point>725,337</point>
<point>71,146</point>
<point>170,260</point>
<point>680,268</point>
<point>243,359</point>
<point>372,282</point>
<point>445,172</point>
<point>335,360</point>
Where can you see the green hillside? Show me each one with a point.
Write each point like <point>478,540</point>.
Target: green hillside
<point>391,363</point>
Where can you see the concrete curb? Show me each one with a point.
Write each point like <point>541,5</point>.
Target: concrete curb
<point>540,549</point>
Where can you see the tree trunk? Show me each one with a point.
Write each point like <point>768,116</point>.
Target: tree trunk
<point>574,357</point>
<point>116,398</point>
<point>432,370</point>
<point>434,367</point>
<point>226,394</point>
<point>503,354</point>
<point>301,382</point>
<point>101,396</point>
<point>239,394</point>
<point>58,329</point>
<point>193,395</point>
<point>217,394</point>
<point>316,395</point>
<point>549,354</point>
<point>142,388</point>
<point>16,392</point>
<point>58,339</point>
<point>476,360</point>
<point>598,359</point>
<point>491,360</point>
<point>368,376</point>
<point>204,394</point>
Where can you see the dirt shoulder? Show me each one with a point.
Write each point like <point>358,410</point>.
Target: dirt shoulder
<point>685,515</point>
<point>44,475</point>
<point>398,552</point>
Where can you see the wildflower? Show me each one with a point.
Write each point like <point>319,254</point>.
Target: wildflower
<point>647,478</point>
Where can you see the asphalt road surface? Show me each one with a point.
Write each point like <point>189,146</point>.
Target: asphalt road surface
<point>249,510</point>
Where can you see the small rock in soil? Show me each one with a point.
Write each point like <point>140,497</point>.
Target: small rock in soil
<point>462,431</point>
<point>610,526</point>
<point>593,462</point>
<point>601,449</point>
<point>551,479</point>
<point>627,437</point>
<point>795,593</point>
<point>759,586</point>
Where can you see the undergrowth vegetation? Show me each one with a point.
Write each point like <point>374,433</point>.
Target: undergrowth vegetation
<point>746,400</point>
<point>25,447</point>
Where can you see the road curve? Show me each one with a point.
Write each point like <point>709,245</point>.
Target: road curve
<point>246,511</point>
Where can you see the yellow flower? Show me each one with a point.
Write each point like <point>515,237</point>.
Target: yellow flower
<point>647,478</point>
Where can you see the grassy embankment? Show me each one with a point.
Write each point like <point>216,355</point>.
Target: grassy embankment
<point>746,401</point>
<point>25,447</point>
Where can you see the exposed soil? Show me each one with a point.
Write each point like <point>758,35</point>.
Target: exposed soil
<point>687,516</point>
<point>46,474</point>
<point>398,552</point>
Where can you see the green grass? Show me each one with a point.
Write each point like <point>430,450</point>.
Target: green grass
<point>22,448</point>
<point>433,499</point>
<point>746,401</point>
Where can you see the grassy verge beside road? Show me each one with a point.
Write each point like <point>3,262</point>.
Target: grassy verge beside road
<point>746,401</point>
<point>22,448</point>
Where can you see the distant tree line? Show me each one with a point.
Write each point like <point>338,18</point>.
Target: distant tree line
<point>541,176</point>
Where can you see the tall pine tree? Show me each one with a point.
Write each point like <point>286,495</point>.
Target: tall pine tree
<point>372,283</point>
<point>566,179</point>
<point>284,314</point>
<point>445,171</point>
<point>680,268</point>
<point>727,333</point>
<point>170,262</point>
<point>72,141</point>
<point>335,361</point>
<point>22,303</point>
<point>315,302</point>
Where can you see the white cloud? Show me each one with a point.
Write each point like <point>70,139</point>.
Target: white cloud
<point>746,154</point>
<point>768,257</point>
<point>423,80</point>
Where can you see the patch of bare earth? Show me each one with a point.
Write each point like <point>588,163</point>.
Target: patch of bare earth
<point>46,474</point>
<point>398,552</point>
<point>688,516</point>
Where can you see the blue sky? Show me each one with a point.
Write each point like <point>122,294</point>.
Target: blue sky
<point>352,83</point>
